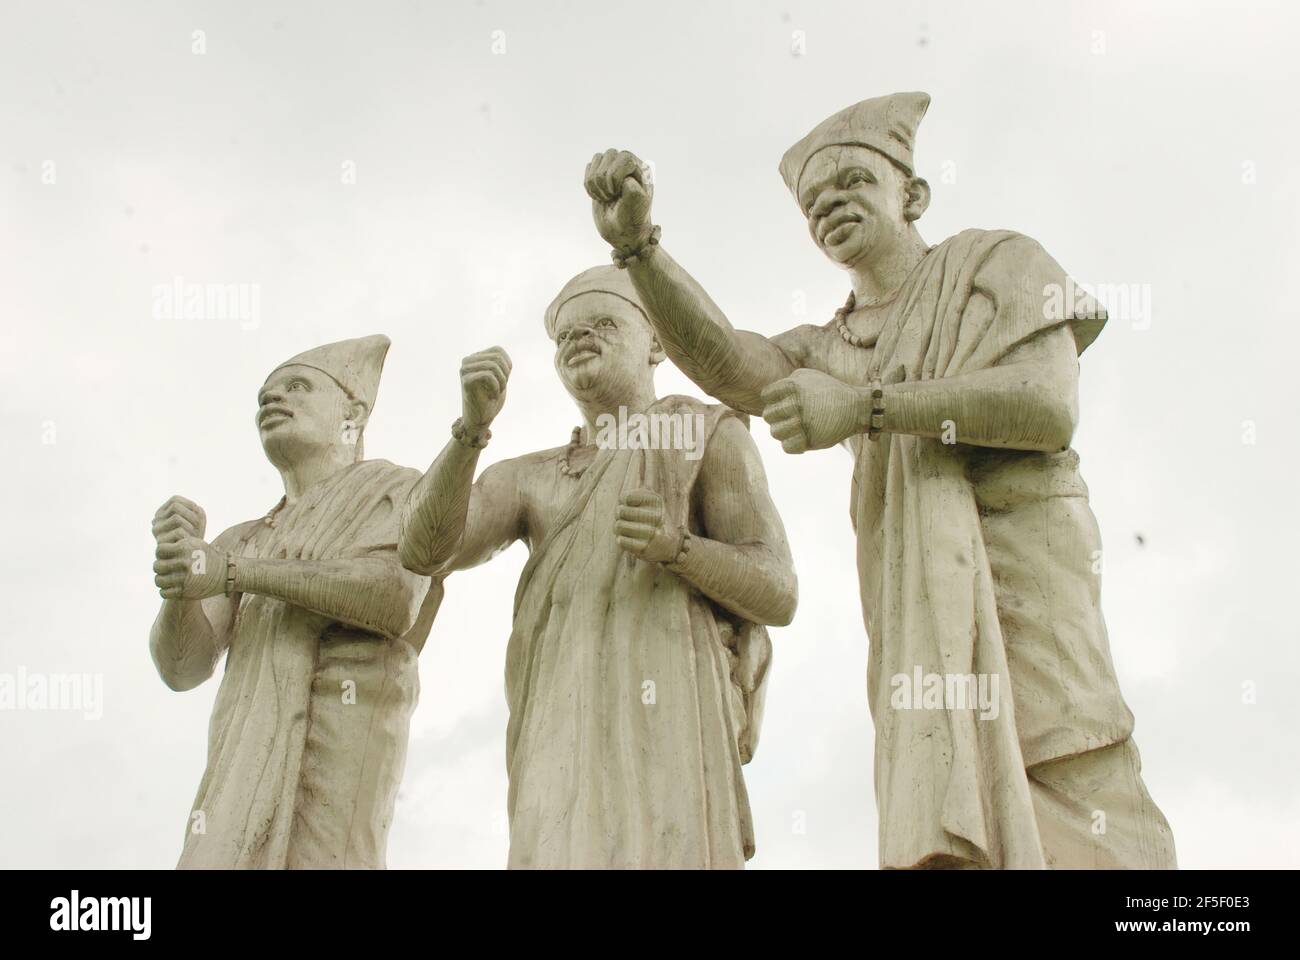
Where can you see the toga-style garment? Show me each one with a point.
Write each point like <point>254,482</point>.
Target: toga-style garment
<point>308,735</point>
<point>981,561</point>
<point>628,709</point>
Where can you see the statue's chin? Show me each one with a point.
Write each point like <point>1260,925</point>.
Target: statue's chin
<point>582,384</point>
<point>846,254</point>
<point>283,447</point>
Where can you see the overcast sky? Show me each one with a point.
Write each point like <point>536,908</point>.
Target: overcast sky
<point>416,169</point>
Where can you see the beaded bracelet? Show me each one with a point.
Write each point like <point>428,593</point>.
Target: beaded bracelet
<point>877,422</point>
<point>621,260</point>
<point>683,548</point>
<point>476,442</point>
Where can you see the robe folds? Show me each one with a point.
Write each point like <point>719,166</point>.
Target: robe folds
<point>628,720</point>
<point>308,735</point>
<point>983,562</point>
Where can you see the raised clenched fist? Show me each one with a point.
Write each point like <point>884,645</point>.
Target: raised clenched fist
<point>483,379</point>
<point>621,190</point>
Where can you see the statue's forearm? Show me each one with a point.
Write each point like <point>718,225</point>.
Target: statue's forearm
<point>183,644</point>
<point>732,365</point>
<point>370,593</point>
<point>1025,406</point>
<point>433,517</point>
<point>750,580</point>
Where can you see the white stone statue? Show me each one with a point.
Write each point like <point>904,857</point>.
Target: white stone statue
<point>635,667</point>
<point>320,625</point>
<point>951,374</point>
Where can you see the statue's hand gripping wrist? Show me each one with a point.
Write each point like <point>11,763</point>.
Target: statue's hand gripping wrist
<point>643,530</point>
<point>189,569</point>
<point>185,566</point>
<point>811,410</point>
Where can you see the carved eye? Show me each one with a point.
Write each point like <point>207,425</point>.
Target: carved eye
<point>563,335</point>
<point>296,385</point>
<point>607,322</point>
<point>856,177</point>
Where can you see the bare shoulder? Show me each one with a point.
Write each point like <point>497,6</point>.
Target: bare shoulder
<point>732,456</point>
<point>526,464</point>
<point>806,346</point>
<point>802,344</point>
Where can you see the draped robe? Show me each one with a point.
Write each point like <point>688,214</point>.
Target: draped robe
<point>627,729</point>
<point>981,561</point>
<point>308,734</point>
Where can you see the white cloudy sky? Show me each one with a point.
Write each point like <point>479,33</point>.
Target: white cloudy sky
<point>1153,145</point>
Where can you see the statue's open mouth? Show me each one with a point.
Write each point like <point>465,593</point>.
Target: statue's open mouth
<point>582,355</point>
<point>839,228</point>
<point>270,416</point>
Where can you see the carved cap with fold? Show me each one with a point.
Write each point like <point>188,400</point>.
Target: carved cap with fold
<point>604,279</point>
<point>355,365</point>
<point>885,124</point>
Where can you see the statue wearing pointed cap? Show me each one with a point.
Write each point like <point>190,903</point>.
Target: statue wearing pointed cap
<point>951,374</point>
<point>636,663</point>
<point>320,625</point>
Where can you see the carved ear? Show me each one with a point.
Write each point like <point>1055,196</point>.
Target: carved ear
<point>657,355</point>
<point>357,413</point>
<point>918,199</point>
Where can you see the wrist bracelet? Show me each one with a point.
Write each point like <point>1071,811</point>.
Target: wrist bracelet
<point>877,421</point>
<point>476,442</point>
<point>621,260</point>
<point>230,574</point>
<point>682,550</point>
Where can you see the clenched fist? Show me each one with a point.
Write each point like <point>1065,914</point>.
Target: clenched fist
<point>642,529</point>
<point>178,518</point>
<point>811,410</point>
<point>185,567</point>
<point>621,191</point>
<point>483,379</point>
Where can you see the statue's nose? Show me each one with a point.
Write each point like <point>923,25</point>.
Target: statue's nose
<point>826,201</point>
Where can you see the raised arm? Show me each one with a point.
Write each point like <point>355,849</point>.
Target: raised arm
<point>449,522</point>
<point>732,365</point>
<point>742,560</point>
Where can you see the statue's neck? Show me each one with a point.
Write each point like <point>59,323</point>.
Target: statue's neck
<point>301,476</point>
<point>637,401</point>
<point>878,278</point>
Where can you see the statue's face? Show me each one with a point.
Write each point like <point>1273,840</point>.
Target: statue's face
<point>603,347</point>
<point>853,198</point>
<point>300,409</point>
